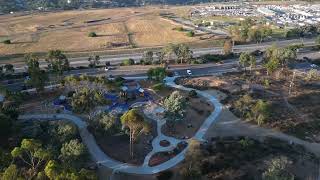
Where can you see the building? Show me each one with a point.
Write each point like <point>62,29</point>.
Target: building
<point>266,11</point>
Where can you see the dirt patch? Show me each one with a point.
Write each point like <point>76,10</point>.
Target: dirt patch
<point>294,113</point>
<point>117,146</point>
<point>42,103</point>
<point>156,94</point>
<point>197,111</point>
<point>208,82</point>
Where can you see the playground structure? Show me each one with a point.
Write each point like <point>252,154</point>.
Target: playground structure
<point>131,94</point>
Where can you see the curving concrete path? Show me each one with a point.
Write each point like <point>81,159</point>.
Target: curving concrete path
<point>102,159</point>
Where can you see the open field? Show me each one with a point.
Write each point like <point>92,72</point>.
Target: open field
<point>295,114</point>
<point>123,28</point>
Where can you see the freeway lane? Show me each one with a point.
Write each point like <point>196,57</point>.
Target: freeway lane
<point>202,69</point>
<point>117,59</point>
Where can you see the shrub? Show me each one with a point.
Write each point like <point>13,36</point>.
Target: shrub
<point>277,170</point>
<point>8,41</point>
<point>190,34</point>
<point>128,62</point>
<point>193,94</point>
<point>210,58</point>
<point>179,29</point>
<point>92,34</point>
<point>119,81</point>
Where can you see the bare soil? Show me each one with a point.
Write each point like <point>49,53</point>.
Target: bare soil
<point>117,146</point>
<point>197,111</point>
<point>295,113</point>
<point>42,103</point>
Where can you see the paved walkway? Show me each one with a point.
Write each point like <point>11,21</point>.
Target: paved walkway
<point>224,125</point>
<point>227,124</point>
<point>103,160</point>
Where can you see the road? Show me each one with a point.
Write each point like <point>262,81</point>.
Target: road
<point>133,71</point>
<point>117,59</point>
<point>141,71</point>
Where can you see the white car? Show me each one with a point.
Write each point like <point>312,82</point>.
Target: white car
<point>189,72</point>
<point>313,65</point>
<point>107,68</point>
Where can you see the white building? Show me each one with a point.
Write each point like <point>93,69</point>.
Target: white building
<point>266,11</point>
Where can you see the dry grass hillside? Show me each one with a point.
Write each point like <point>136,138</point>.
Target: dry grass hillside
<point>116,28</point>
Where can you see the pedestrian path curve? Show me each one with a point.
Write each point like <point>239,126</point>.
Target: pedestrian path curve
<point>104,160</point>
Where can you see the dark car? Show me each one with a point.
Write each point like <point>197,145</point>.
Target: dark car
<point>9,82</point>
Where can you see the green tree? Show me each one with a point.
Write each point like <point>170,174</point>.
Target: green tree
<point>190,34</point>
<point>38,77</point>
<point>11,173</point>
<point>92,34</point>
<point>243,104</point>
<point>128,62</point>
<point>8,68</point>
<point>244,60</point>
<point>57,62</point>
<point>169,52</point>
<point>52,169</point>
<point>8,41</point>
<point>272,65</point>
<point>183,53</point>
<point>87,175</point>
<point>66,131</point>
<point>107,122</point>
<point>136,124</point>
<point>285,55</point>
<point>260,112</point>
<point>94,61</point>
<point>312,74</point>
<point>160,55</point>
<point>148,57</point>
<point>252,62</point>
<point>277,170</point>
<point>85,99</point>
<point>254,35</point>
<point>74,152</point>
<point>157,73</point>
<point>192,169</point>
<point>227,47</point>
<point>175,105</point>
<point>32,154</point>
<point>265,32</point>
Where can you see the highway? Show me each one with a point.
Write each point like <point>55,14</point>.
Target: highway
<point>139,71</point>
<point>117,59</point>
